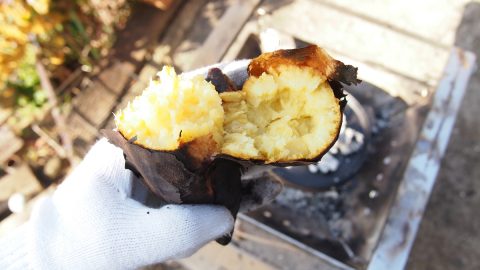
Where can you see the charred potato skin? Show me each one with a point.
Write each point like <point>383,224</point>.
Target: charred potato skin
<point>173,176</point>
<point>221,81</point>
<point>177,176</point>
<point>314,57</point>
<point>311,56</point>
<point>182,176</point>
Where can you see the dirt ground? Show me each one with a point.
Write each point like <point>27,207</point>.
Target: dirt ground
<point>448,237</point>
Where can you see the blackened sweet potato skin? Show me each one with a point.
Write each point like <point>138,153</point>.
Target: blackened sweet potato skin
<point>221,81</point>
<point>170,175</point>
<point>311,56</point>
<point>181,177</point>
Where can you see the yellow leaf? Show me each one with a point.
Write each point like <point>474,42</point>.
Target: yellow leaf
<point>40,6</point>
<point>58,41</point>
<point>55,60</point>
<point>38,28</point>
<point>16,13</point>
<point>12,32</point>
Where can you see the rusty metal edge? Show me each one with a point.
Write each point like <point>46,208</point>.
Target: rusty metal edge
<point>419,178</point>
<point>297,244</point>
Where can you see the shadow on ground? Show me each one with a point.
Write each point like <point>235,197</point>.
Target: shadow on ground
<point>449,236</point>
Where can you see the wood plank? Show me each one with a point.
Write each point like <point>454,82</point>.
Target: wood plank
<point>141,32</point>
<point>116,76</point>
<point>95,103</point>
<point>19,180</point>
<point>9,144</point>
<point>412,91</point>
<point>215,257</point>
<point>82,133</point>
<point>248,34</point>
<point>223,34</point>
<point>134,41</point>
<point>176,32</point>
<point>93,107</point>
<point>161,4</point>
<point>434,21</point>
<point>147,73</point>
<point>361,40</point>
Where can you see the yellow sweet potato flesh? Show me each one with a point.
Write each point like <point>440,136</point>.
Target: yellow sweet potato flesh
<point>288,114</point>
<point>172,111</point>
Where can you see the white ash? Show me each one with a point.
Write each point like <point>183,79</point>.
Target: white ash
<point>313,168</point>
<point>325,208</point>
<point>372,194</point>
<point>387,160</point>
<point>328,164</point>
<point>349,141</point>
<point>267,214</point>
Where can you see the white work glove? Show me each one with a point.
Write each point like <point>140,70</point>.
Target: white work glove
<point>91,223</point>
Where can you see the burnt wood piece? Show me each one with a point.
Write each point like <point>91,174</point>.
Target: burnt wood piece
<point>10,144</point>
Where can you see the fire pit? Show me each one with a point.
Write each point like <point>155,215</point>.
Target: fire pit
<point>340,216</point>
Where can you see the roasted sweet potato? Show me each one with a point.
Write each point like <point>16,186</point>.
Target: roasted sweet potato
<point>188,139</point>
<point>290,109</point>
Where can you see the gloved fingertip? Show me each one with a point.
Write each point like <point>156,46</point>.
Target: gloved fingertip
<point>212,221</point>
<point>225,226</point>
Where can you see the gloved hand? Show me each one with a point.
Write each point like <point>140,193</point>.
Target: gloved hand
<point>91,223</point>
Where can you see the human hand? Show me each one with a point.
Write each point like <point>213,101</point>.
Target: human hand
<point>90,222</point>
